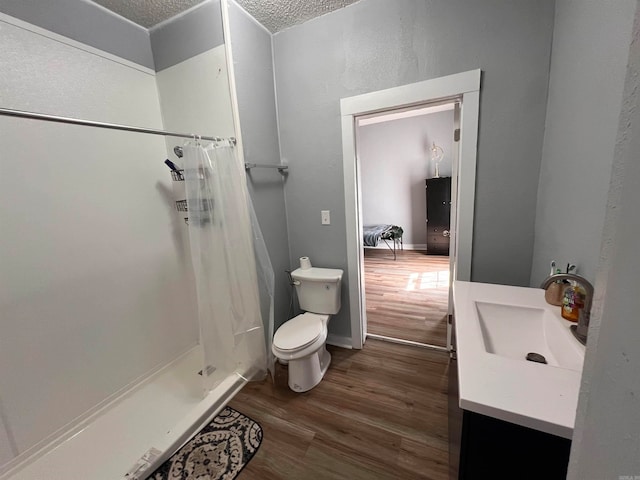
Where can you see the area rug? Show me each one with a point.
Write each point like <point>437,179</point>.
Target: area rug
<point>218,452</point>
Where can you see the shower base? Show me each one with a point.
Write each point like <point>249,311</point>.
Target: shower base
<point>162,412</point>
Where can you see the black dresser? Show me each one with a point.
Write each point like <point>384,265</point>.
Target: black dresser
<point>438,215</point>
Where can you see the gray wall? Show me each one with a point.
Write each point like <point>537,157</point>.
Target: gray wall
<point>187,35</point>
<point>86,23</point>
<point>253,69</point>
<point>395,159</point>
<point>605,441</point>
<point>377,44</point>
<point>590,48</point>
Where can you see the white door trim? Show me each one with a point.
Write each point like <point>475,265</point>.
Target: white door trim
<point>464,86</point>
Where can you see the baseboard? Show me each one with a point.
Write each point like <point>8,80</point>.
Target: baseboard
<point>405,246</point>
<point>339,341</point>
<point>414,246</point>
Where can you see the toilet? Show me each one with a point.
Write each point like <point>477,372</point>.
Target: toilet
<point>301,341</point>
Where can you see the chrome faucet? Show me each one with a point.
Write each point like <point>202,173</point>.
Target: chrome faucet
<point>579,331</point>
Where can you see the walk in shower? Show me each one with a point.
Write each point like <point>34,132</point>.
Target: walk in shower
<point>122,328</point>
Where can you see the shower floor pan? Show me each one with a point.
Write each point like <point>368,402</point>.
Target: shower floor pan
<point>162,413</point>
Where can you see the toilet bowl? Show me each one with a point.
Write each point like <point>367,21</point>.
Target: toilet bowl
<point>301,342</point>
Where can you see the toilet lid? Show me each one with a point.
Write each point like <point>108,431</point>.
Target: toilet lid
<point>298,332</point>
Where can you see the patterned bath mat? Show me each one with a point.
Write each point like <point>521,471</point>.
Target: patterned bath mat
<point>219,452</point>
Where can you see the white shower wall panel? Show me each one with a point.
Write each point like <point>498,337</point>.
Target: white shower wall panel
<point>45,72</point>
<point>95,284</point>
<point>194,95</point>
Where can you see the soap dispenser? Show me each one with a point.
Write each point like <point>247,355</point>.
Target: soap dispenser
<point>572,302</point>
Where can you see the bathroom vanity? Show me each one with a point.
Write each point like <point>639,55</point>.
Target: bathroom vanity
<point>505,410</point>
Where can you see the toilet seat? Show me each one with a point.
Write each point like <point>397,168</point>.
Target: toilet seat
<point>300,343</point>
<point>299,332</point>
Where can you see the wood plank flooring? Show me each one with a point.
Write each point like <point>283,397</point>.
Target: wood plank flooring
<point>407,298</point>
<point>379,413</point>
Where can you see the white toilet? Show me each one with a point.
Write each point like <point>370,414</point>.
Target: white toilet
<point>301,341</point>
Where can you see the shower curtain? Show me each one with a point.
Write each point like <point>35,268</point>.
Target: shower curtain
<point>231,266</point>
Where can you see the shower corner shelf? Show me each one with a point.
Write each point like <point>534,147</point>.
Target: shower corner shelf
<point>181,205</point>
<point>206,204</point>
<point>177,176</point>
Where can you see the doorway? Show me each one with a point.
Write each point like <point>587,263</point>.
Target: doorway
<point>404,169</point>
<point>464,88</point>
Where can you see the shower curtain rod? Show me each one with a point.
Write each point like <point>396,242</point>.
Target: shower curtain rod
<point>114,126</point>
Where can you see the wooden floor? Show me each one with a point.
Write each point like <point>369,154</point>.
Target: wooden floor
<point>407,298</point>
<point>379,413</point>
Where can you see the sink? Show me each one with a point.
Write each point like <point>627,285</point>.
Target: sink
<point>513,331</point>
<point>496,326</point>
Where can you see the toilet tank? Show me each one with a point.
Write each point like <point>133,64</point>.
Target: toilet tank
<point>318,289</point>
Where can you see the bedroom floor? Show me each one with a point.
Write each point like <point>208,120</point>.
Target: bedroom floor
<point>407,298</point>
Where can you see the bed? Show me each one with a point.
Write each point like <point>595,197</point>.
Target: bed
<point>372,234</point>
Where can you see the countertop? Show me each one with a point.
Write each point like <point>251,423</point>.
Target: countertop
<point>542,397</point>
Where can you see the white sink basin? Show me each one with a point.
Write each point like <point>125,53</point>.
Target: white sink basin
<point>514,331</point>
<point>496,326</point>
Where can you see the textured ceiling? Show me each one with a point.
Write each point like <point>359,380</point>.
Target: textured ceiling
<point>148,12</point>
<point>277,15</point>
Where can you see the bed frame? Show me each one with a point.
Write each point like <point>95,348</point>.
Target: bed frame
<point>392,233</point>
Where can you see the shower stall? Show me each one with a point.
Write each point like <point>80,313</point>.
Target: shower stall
<point>123,330</point>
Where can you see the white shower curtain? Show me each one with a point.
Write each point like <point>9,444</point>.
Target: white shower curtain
<point>231,266</point>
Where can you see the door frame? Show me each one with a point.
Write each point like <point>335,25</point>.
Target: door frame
<point>464,87</point>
